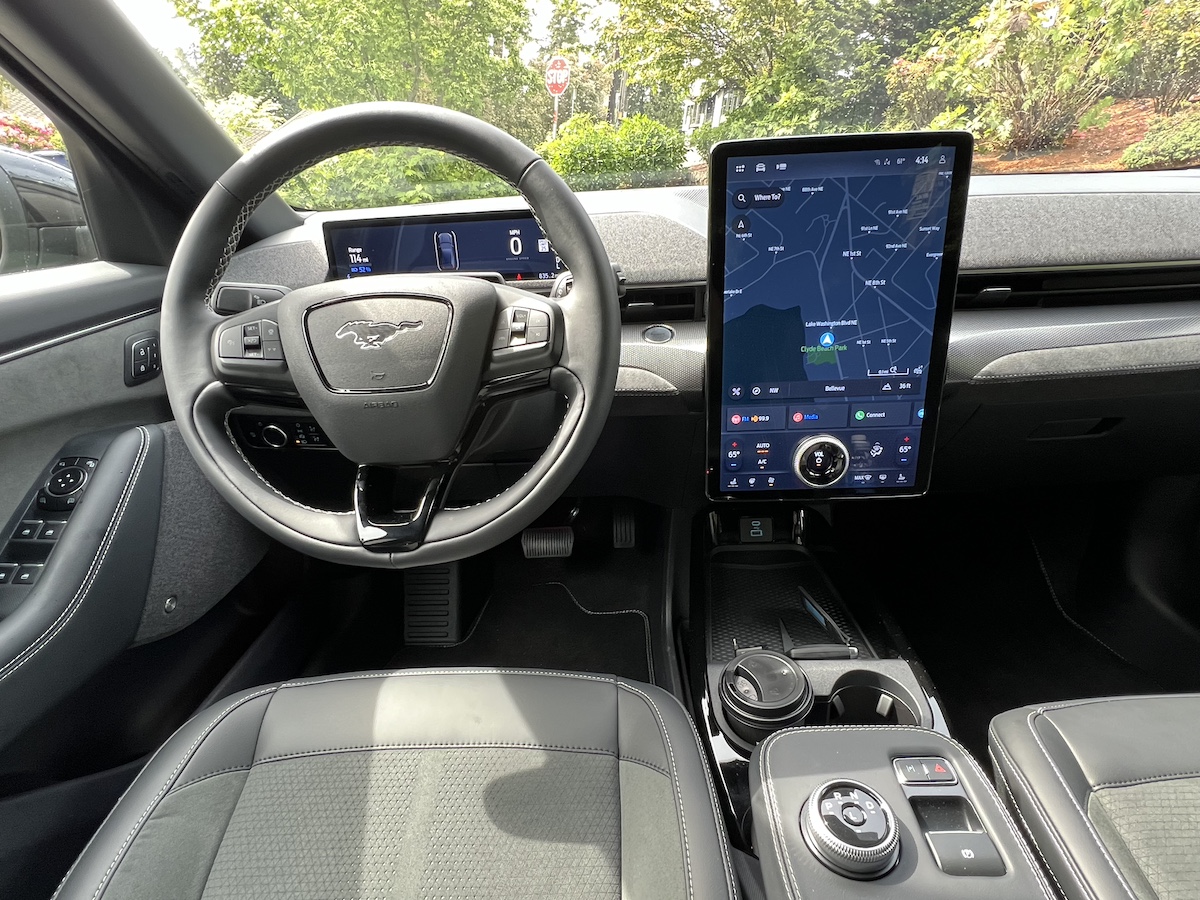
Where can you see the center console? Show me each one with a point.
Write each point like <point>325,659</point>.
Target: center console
<point>832,272</point>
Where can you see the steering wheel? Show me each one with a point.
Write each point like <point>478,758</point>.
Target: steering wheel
<point>399,370</point>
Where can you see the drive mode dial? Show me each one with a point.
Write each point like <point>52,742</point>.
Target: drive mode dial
<point>820,460</point>
<point>850,829</point>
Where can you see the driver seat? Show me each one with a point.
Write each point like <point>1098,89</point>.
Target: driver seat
<point>442,783</point>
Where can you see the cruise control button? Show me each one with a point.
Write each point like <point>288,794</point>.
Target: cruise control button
<point>230,344</point>
<point>270,330</point>
<point>27,575</point>
<point>27,530</point>
<point>253,329</point>
<point>251,341</point>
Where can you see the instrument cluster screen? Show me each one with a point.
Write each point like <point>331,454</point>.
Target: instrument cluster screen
<point>832,274</point>
<point>513,246</point>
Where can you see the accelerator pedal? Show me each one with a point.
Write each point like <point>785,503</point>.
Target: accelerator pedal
<point>548,543</point>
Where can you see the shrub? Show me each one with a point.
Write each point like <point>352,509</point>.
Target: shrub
<point>594,155</point>
<point>1032,68</point>
<point>23,134</point>
<point>1166,66</point>
<point>1171,142</point>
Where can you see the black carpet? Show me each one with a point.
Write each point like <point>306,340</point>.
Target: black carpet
<point>966,587</point>
<point>545,626</point>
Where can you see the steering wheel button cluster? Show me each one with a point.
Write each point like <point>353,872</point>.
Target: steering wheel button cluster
<point>253,340</point>
<point>521,326</point>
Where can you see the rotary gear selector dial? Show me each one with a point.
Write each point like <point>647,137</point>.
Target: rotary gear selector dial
<point>850,829</point>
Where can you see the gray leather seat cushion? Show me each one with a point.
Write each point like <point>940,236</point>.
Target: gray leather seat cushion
<point>1109,791</point>
<point>450,783</point>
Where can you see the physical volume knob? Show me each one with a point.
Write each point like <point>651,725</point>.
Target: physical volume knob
<point>820,460</point>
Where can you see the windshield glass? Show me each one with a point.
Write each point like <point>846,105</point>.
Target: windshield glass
<point>633,93</point>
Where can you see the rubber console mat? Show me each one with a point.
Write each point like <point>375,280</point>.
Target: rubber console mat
<point>545,626</point>
<point>752,592</point>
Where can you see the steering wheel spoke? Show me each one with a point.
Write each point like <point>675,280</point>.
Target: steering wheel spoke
<point>393,506</point>
<point>528,335</point>
<point>247,353</point>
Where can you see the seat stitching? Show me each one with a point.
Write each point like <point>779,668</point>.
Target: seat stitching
<point>1035,804</point>
<point>104,880</point>
<point>987,784</point>
<point>1086,821</point>
<point>403,673</point>
<point>662,730</point>
<point>206,776</point>
<point>435,745</point>
<point>42,641</point>
<point>1145,779</point>
<point>1016,808</point>
<point>723,838</point>
<point>764,767</point>
<point>614,612</point>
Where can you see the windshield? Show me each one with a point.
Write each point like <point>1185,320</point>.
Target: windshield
<point>633,93</point>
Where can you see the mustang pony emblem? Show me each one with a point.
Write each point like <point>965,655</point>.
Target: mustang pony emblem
<point>373,335</point>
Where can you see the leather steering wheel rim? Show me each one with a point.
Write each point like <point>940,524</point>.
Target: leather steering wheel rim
<point>585,370</point>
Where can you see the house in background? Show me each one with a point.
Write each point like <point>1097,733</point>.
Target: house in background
<point>709,109</point>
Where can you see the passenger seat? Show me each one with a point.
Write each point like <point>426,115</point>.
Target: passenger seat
<point>1109,792</point>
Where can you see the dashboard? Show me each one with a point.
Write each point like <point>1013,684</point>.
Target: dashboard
<point>1076,328</point>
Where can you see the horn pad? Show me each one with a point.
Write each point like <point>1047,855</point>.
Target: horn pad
<point>390,365</point>
<point>379,344</point>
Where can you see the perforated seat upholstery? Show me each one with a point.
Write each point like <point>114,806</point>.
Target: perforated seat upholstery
<point>452,783</point>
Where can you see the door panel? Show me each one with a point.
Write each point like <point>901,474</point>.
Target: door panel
<point>62,363</point>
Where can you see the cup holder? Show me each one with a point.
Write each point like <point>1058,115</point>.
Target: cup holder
<point>862,697</point>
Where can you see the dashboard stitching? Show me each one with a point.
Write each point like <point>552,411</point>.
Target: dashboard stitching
<point>1086,821</point>
<point>41,641</point>
<point>1036,806</point>
<point>1008,820</point>
<point>275,490</point>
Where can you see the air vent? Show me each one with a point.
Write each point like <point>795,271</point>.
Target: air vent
<point>1082,287</point>
<point>674,303</point>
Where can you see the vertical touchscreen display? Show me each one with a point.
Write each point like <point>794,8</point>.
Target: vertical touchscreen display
<point>833,282</point>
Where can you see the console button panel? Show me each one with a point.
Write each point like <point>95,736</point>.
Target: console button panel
<point>274,433</point>
<point>27,548</point>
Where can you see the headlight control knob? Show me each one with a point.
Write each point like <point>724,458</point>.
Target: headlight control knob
<point>850,829</point>
<point>820,460</point>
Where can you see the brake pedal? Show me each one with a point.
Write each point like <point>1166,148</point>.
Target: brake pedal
<point>548,543</point>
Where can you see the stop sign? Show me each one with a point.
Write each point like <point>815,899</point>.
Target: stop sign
<point>558,76</point>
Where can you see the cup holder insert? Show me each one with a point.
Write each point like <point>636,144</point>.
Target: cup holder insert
<point>862,697</point>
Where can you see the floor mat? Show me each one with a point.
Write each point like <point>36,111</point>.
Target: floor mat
<point>545,626</point>
<point>979,614</point>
